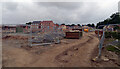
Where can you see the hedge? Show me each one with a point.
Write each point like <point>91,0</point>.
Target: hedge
<point>115,35</point>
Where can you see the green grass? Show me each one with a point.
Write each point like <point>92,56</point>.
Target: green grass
<point>113,49</point>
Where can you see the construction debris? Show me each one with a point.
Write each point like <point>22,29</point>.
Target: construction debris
<point>43,44</point>
<point>96,59</point>
<point>47,37</point>
<point>15,37</point>
<point>104,58</point>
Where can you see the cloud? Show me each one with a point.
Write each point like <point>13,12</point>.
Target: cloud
<point>1,13</point>
<point>10,6</point>
<point>59,12</point>
<point>62,5</point>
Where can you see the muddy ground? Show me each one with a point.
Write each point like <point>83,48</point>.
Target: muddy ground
<point>69,53</point>
<point>113,58</point>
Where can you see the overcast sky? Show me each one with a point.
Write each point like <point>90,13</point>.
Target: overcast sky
<point>59,12</point>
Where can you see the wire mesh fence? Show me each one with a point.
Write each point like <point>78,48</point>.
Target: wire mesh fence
<point>45,35</point>
<point>37,35</point>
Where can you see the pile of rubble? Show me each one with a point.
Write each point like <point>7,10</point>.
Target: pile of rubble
<point>114,43</point>
<point>49,37</point>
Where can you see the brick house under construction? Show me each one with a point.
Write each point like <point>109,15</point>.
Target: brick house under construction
<point>42,26</point>
<point>9,29</point>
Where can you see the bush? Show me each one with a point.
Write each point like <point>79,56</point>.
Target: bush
<point>115,35</point>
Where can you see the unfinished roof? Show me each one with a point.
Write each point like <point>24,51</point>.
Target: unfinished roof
<point>47,21</point>
<point>36,21</point>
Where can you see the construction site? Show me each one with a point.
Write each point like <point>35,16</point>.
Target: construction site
<point>53,47</point>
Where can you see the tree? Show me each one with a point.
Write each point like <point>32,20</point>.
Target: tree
<point>93,25</point>
<point>78,24</point>
<point>72,24</point>
<point>68,25</point>
<point>29,23</point>
<point>89,25</point>
<point>116,27</point>
<point>114,19</point>
<point>63,24</point>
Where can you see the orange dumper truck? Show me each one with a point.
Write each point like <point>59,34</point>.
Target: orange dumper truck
<point>85,30</point>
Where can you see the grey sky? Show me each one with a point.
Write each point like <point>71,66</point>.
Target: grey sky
<point>59,12</point>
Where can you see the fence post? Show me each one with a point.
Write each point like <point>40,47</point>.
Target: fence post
<point>30,35</point>
<point>101,43</point>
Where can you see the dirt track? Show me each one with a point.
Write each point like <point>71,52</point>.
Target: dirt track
<point>77,53</point>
